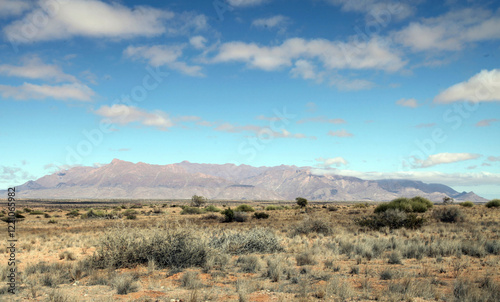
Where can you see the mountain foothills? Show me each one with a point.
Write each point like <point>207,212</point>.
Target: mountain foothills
<point>122,179</point>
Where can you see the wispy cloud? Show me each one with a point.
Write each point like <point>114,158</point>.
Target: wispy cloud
<point>246,3</point>
<point>163,55</point>
<point>340,133</point>
<point>412,103</point>
<point>446,158</point>
<point>124,115</point>
<point>34,68</point>
<point>482,87</point>
<point>376,8</point>
<point>13,7</point>
<point>494,158</point>
<point>322,119</point>
<point>487,122</point>
<point>328,162</point>
<point>277,21</point>
<point>260,130</point>
<point>64,92</point>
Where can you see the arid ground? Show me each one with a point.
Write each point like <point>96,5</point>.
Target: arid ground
<point>121,251</point>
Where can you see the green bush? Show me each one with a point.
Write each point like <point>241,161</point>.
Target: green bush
<point>467,204</point>
<point>392,218</point>
<point>36,212</point>
<point>261,215</point>
<point>449,215</point>
<point>198,201</point>
<point>416,204</point>
<point>301,202</point>
<point>212,208</point>
<point>191,210</point>
<point>228,215</point>
<point>244,208</point>
<point>93,214</point>
<point>494,203</point>
<point>274,208</point>
<point>73,213</point>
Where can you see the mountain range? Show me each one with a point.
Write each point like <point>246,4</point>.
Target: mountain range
<point>122,179</point>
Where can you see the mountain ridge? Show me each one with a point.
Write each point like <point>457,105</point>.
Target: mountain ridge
<point>123,179</point>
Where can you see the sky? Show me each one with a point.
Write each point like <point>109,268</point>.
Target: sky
<point>373,89</point>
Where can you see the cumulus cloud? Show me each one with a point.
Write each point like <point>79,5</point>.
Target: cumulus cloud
<point>486,123</point>
<point>306,70</point>
<point>163,55</point>
<point>246,3</point>
<point>340,133</point>
<point>64,92</point>
<point>328,162</point>
<point>124,115</point>
<point>271,22</point>
<point>13,7</point>
<point>412,103</point>
<point>88,18</point>
<point>482,87</point>
<point>446,158</point>
<point>322,119</point>
<point>451,31</point>
<point>333,55</point>
<point>34,68</point>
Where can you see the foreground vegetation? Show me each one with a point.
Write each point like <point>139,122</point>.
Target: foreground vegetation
<point>294,252</point>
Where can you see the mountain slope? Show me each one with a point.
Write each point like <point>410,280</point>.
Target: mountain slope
<point>122,179</point>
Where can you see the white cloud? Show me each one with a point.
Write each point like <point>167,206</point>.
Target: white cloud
<point>27,91</point>
<point>13,7</point>
<point>305,70</point>
<point>451,31</point>
<point>445,158</point>
<point>486,123</point>
<point>271,22</point>
<point>198,42</point>
<point>482,87</point>
<point>374,54</point>
<point>328,162</point>
<point>13,175</point>
<point>340,133</point>
<point>412,103</point>
<point>322,119</point>
<point>245,3</point>
<point>351,85</point>
<point>124,115</point>
<point>159,55</point>
<point>376,9</point>
<point>34,68</point>
<point>88,18</point>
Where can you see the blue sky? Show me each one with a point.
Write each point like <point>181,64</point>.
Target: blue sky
<point>373,89</point>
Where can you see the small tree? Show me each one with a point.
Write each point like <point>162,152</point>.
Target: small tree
<point>302,202</point>
<point>448,200</point>
<point>198,201</point>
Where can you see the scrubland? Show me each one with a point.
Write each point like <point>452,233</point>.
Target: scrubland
<point>161,251</point>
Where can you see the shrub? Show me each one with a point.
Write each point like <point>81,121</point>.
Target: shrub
<point>257,240</point>
<point>249,263</point>
<point>93,214</point>
<point>394,258</point>
<point>46,215</point>
<point>261,215</point>
<point>244,208</point>
<point>393,219</point>
<point>309,225</point>
<point>198,201</point>
<point>52,221</point>
<point>416,204</point>
<point>241,217</point>
<point>387,274</point>
<point>73,213</point>
<point>449,215</point>
<point>467,204</point>
<point>228,215</point>
<point>306,258</point>
<point>494,203</point>
<point>125,284</point>
<point>191,211</point>
<point>36,212</point>
<point>301,202</point>
<point>212,208</point>
<point>191,280</point>
<point>274,208</point>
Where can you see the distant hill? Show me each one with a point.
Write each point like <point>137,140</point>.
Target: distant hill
<point>122,179</point>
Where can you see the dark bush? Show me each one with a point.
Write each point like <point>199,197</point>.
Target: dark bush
<point>241,217</point>
<point>467,204</point>
<point>301,202</point>
<point>261,215</point>
<point>416,204</point>
<point>312,226</point>
<point>494,203</point>
<point>449,215</point>
<point>228,215</point>
<point>191,210</point>
<point>392,218</point>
